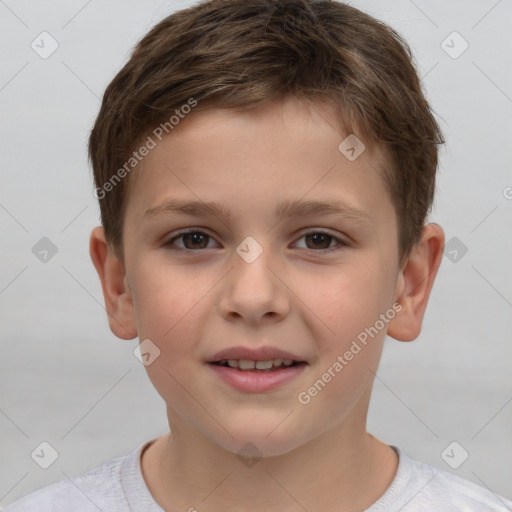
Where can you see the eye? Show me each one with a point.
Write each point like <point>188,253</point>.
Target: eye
<point>322,240</point>
<point>193,240</point>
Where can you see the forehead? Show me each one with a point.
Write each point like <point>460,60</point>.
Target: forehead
<point>282,151</point>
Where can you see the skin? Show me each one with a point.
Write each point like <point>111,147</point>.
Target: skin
<point>191,304</point>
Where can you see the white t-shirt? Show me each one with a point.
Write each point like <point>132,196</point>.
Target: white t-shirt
<point>118,486</point>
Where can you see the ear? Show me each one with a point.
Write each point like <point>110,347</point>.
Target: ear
<point>118,299</point>
<point>414,284</point>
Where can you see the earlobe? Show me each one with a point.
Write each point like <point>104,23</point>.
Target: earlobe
<point>117,295</point>
<point>415,282</point>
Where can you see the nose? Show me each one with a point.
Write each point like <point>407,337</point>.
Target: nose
<point>254,290</point>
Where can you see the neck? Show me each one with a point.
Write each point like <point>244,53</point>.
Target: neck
<point>342,469</point>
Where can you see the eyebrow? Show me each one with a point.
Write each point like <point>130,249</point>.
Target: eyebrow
<point>295,208</point>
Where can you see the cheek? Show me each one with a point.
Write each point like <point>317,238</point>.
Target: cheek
<point>168,304</point>
<point>348,300</point>
<point>349,342</point>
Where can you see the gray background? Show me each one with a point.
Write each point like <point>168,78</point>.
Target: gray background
<point>66,379</point>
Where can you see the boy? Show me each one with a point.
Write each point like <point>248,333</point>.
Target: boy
<point>240,134</point>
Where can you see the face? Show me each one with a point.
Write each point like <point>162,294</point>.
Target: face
<point>262,277</point>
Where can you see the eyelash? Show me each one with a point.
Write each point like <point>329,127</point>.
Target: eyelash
<point>340,243</point>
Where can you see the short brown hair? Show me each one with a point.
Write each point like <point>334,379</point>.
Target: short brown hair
<point>240,54</point>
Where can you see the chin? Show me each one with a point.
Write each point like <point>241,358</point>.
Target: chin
<point>265,439</point>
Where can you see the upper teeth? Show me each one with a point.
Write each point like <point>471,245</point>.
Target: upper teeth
<point>245,364</point>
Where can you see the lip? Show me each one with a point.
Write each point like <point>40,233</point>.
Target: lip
<point>254,354</point>
<point>257,382</point>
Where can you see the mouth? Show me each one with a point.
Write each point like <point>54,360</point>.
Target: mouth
<point>257,376</point>
<point>247,365</point>
<point>256,370</point>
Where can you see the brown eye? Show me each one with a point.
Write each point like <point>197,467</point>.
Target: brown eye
<point>191,240</point>
<point>321,241</point>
